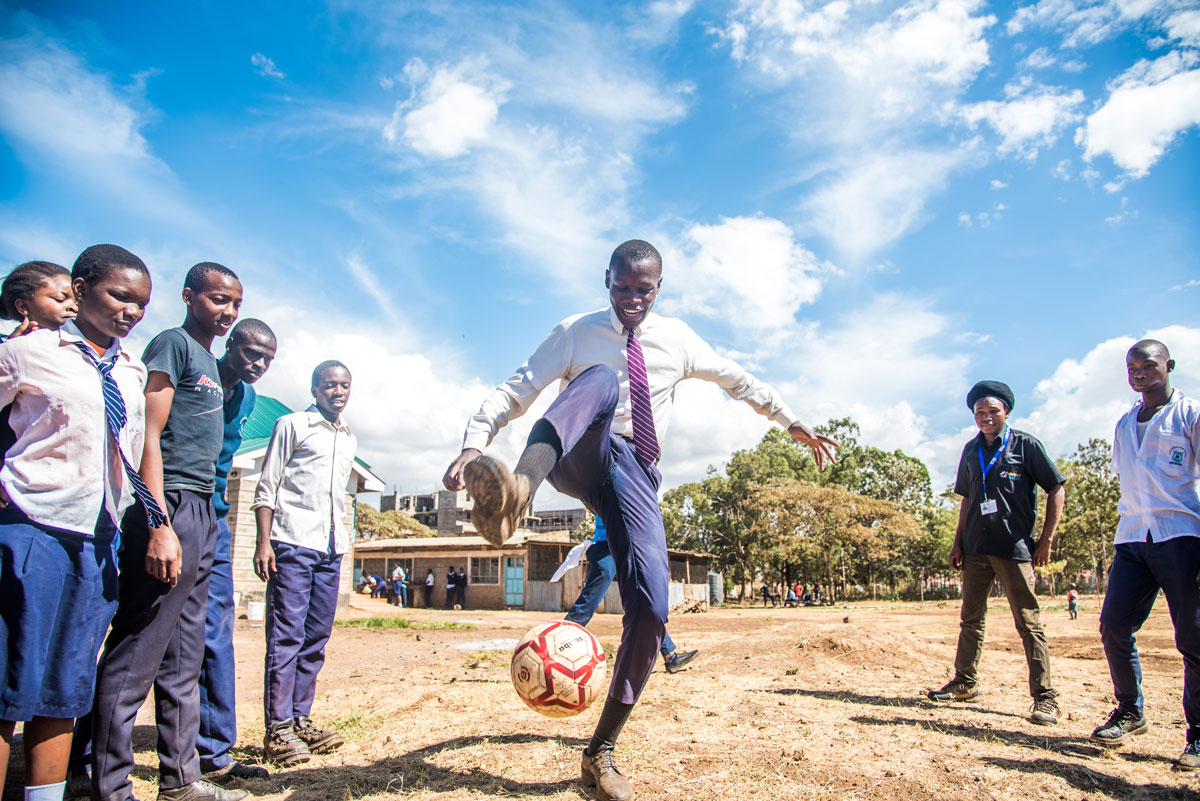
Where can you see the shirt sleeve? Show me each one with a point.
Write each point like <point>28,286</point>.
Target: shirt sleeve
<point>1116,448</point>
<point>1043,469</point>
<point>279,451</point>
<point>549,363</point>
<point>10,374</point>
<point>167,353</point>
<point>962,482</point>
<point>704,362</point>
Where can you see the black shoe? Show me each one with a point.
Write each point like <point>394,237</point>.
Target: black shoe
<point>955,690</point>
<point>319,741</point>
<point>1121,724</point>
<point>1190,758</point>
<point>79,785</point>
<point>236,770</point>
<point>678,660</point>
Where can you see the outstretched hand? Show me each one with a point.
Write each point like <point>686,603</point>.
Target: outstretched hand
<point>822,446</point>
<point>453,480</point>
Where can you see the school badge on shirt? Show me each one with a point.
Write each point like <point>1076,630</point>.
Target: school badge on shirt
<point>1176,456</point>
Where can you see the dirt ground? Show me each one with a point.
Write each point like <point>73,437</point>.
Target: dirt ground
<point>781,704</point>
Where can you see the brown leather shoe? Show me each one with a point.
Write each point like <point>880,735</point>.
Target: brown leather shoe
<point>600,771</point>
<point>500,498</point>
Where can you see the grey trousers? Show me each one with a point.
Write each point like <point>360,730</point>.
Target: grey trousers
<point>1017,580</point>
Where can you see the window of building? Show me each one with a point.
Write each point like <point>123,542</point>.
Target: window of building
<point>484,570</point>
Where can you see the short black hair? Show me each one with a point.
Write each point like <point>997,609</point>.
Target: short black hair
<point>195,276</point>
<point>635,250</point>
<point>24,282</point>
<point>1149,346</point>
<point>329,364</point>
<point>251,327</point>
<point>95,263</point>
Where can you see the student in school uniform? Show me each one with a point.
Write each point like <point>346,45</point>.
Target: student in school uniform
<point>601,572</point>
<point>1156,453</point>
<point>38,295</point>
<point>249,351</point>
<point>157,636</point>
<point>300,508</point>
<point>429,589</point>
<point>460,587</point>
<point>78,419</point>
<point>599,442</point>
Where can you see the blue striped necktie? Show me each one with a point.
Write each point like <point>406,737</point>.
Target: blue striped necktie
<point>114,411</point>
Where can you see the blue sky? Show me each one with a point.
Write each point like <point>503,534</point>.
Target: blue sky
<point>872,204</point>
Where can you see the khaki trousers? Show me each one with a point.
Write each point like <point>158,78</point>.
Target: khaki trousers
<point>1017,580</point>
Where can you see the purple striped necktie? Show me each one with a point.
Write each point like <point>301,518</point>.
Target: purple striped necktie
<point>644,438</point>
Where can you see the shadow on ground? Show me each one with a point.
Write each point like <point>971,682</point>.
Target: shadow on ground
<point>1087,780</point>
<point>1074,746</point>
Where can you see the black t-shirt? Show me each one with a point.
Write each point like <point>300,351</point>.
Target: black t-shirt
<point>1008,531</point>
<point>191,439</point>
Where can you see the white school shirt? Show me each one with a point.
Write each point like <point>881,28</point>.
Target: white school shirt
<point>672,350</point>
<point>1160,478</point>
<point>63,468</point>
<point>305,478</point>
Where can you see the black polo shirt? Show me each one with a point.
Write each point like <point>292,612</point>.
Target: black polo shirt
<point>1008,531</point>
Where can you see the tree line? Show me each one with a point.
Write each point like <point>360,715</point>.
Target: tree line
<point>870,525</point>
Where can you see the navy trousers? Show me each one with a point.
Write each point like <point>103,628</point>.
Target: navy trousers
<point>1139,571</point>
<point>301,603</point>
<point>600,574</point>
<point>218,672</point>
<point>156,640</point>
<point>604,471</point>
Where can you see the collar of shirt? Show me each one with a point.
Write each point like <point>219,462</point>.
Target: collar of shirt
<point>315,418</point>
<point>69,332</point>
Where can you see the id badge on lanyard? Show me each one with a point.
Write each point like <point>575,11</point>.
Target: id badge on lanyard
<point>989,505</point>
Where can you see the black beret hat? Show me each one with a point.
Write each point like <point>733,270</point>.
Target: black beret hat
<point>990,389</point>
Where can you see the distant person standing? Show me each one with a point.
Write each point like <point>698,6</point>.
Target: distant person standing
<point>429,580</point>
<point>1073,602</point>
<point>460,587</point>
<point>1155,452</point>
<point>300,510</point>
<point>997,474</point>
<point>450,588</point>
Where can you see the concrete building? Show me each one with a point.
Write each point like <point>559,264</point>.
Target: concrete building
<point>515,575</point>
<point>449,513</point>
<point>243,480</point>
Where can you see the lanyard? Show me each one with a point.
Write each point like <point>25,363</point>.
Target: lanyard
<point>995,456</point>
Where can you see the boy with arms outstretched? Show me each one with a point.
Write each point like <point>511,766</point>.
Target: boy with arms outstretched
<point>599,442</point>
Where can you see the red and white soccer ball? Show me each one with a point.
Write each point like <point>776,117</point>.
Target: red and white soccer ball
<point>558,669</point>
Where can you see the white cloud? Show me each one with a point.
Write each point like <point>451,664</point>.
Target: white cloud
<point>1148,106</point>
<point>748,268</point>
<point>1083,23</point>
<point>1084,398</point>
<point>997,184</point>
<point>1028,119</point>
<point>880,198</point>
<point>452,109</point>
<point>1039,59</point>
<point>1187,285</point>
<point>265,66</point>
<point>1185,26</point>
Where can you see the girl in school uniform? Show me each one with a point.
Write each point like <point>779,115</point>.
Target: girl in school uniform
<point>38,294</point>
<point>68,479</point>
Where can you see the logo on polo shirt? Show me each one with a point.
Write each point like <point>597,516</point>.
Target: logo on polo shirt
<point>1177,455</point>
<point>204,382</point>
<point>1010,474</point>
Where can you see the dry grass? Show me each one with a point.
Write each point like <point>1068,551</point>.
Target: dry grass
<point>782,704</point>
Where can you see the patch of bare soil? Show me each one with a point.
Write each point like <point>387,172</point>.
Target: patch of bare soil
<point>791,704</point>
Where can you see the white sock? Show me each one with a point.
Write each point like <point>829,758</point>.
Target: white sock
<point>46,792</point>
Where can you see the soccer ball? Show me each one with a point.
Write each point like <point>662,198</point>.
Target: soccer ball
<point>558,669</point>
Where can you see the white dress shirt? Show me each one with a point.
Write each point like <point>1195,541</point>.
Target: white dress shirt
<point>1160,478</point>
<point>672,350</point>
<point>63,468</point>
<point>305,478</point>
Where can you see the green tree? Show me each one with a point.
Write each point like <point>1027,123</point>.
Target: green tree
<point>1089,522</point>
<point>373,524</point>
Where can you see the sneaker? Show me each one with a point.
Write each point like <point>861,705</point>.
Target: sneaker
<point>201,791</point>
<point>1044,712</point>
<point>282,746</point>
<point>236,770</point>
<point>678,660</point>
<point>1190,758</point>
<point>1120,725</point>
<point>500,498</point>
<point>320,741</point>
<point>956,690</point>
